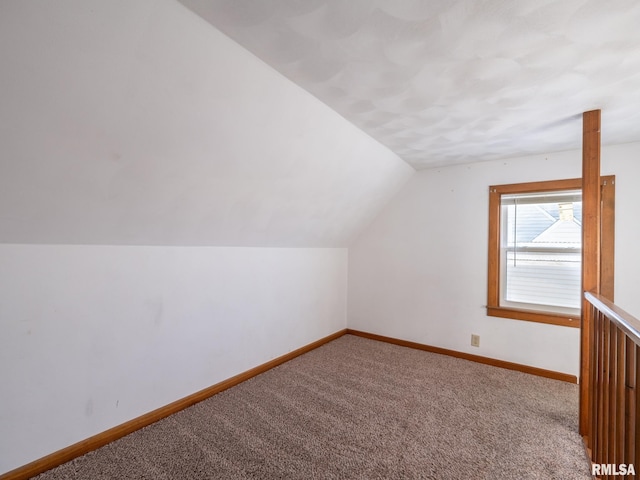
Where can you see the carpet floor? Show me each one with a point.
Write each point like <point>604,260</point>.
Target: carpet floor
<point>362,409</point>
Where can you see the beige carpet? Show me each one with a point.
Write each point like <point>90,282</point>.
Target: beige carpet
<point>358,408</point>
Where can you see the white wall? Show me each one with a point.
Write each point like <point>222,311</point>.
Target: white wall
<point>93,336</point>
<point>623,162</point>
<point>418,272</point>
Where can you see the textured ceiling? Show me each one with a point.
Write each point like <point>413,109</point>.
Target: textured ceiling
<point>443,81</point>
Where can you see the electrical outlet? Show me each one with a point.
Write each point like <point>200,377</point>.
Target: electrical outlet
<point>475,340</point>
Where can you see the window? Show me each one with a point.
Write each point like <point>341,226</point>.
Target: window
<point>535,250</point>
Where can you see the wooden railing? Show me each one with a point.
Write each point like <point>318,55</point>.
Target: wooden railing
<point>614,377</point>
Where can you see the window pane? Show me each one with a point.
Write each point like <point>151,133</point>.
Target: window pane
<point>543,278</point>
<point>541,250</point>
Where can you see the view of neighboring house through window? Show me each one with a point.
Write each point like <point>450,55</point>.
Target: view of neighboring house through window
<point>541,240</point>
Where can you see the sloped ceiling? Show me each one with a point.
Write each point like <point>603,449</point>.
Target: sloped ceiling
<point>453,81</point>
<point>134,122</point>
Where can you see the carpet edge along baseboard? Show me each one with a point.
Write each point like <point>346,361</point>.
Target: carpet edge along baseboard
<point>99,440</point>
<point>540,372</point>
<point>92,443</point>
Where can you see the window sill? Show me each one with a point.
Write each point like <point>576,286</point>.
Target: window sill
<point>533,316</point>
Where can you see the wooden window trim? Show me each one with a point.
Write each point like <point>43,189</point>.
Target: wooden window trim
<point>494,308</point>
<point>607,236</point>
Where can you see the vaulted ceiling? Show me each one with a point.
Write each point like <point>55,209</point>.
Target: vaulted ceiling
<point>453,81</point>
<point>135,122</point>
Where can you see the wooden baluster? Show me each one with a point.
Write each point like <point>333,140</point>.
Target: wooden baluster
<point>598,458</point>
<point>611,414</point>
<point>620,396</point>
<point>630,402</point>
<point>605,392</point>
<point>595,379</point>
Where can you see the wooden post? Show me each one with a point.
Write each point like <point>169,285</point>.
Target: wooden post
<point>591,220</point>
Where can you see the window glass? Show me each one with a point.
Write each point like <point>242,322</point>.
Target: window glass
<point>541,245</point>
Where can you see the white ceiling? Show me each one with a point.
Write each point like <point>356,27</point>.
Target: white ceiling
<point>453,81</point>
